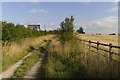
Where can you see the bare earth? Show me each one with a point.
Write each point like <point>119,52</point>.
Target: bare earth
<point>33,72</point>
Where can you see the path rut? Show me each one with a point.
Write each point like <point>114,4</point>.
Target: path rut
<point>33,72</point>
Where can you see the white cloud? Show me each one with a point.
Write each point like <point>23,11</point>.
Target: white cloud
<point>107,22</point>
<point>104,25</point>
<point>80,24</point>
<point>51,26</point>
<point>37,11</point>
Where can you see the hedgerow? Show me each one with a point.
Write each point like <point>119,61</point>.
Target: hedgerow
<point>12,32</point>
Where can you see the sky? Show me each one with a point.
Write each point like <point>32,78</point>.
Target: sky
<point>94,17</point>
<point>59,0</point>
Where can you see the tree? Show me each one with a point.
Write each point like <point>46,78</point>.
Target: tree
<point>80,30</point>
<point>66,30</point>
<point>112,34</point>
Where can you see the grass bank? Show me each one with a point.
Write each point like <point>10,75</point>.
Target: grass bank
<point>15,51</point>
<point>73,60</point>
<point>62,62</point>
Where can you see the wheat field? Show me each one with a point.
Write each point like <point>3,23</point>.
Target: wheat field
<point>101,38</point>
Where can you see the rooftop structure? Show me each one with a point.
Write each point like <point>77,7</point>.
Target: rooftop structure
<point>34,27</point>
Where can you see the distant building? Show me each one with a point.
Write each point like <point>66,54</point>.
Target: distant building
<point>34,27</point>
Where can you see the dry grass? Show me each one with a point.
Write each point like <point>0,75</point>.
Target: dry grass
<point>0,57</point>
<point>29,62</point>
<point>16,50</point>
<point>17,47</point>
<point>101,38</point>
<point>99,66</point>
<point>73,60</point>
<point>106,39</point>
<point>63,61</point>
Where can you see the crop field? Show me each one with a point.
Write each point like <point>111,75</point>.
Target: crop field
<point>105,39</point>
<point>101,38</point>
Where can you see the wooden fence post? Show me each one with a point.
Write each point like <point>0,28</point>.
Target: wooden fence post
<point>97,46</point>
<point>89,44</point>
<point>110,51</point>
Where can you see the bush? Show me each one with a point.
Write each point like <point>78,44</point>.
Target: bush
<point>66,30</point>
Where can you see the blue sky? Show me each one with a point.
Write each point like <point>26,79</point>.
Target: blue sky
<point>93,16</point>
<point>60,0</point>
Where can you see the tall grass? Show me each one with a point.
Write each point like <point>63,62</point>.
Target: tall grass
<point>0,46</point>
<point>73,60</point>
<point>98,66</point>
<point>62,62</point>
<point>14,51</point>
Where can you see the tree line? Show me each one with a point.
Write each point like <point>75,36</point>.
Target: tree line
<point>12,32</point>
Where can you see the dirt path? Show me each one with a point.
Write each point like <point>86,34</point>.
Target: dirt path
<point>10,71</point>
<point>33,72</point>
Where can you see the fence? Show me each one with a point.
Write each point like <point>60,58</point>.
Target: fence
<point>110,46</point>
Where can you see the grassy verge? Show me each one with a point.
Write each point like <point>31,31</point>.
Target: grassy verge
<point>10,60</point>
<point>98,66</point>
<point>15,51</point>
<point>29,62</point>
<point>62,62</point>
<point>73,60</point>
<point>27,65</point>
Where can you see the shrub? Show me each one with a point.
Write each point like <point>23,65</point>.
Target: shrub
<point>66,30</point>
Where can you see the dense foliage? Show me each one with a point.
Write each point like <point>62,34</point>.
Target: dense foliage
<point>80,30</point>
<point>12,32</point>
<point>66,30</point>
